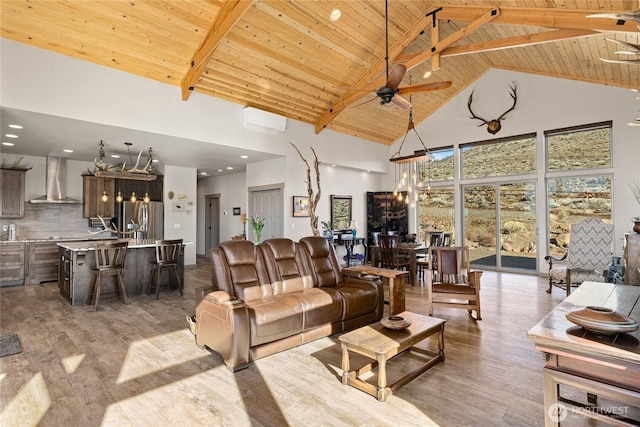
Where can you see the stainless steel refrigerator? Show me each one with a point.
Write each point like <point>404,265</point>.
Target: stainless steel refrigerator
<point>147,217</point>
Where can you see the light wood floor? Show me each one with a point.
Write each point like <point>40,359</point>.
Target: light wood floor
<point>138,365</point>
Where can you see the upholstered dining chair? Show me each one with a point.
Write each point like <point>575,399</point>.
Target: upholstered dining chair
<point>587,257</point>
<point>450,282</point>
<point>167,259</point>
<point>390,256</point>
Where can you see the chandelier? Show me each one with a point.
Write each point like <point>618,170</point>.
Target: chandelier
<point>410,170</point>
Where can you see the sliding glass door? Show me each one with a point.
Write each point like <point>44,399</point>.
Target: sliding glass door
<point>500,225</point>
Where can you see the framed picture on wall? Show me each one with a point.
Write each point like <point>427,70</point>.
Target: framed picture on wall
<point>300,206</point>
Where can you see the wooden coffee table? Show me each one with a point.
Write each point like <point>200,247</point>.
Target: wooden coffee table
<point>382,344</point>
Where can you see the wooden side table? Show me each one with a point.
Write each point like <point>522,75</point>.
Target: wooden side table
<point>382,344</point>
<point>396,280</point>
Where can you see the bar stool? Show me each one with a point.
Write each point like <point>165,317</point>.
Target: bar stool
<point>110,258</point>
<point>167,258</point>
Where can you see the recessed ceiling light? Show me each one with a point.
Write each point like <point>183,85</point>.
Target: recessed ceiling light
<point>244,157</point>
<point>10,135</point>
<point>427,74</point>
<point>155,161</point>
<point>8,144</point>
<point>67,150</point>
<point>229,168</point>
<point>219,170</point>
<point>335,15</point>
<point>115,156</point>
<point>203,173</point>
<point>15,126</point>
<point>333,165</point>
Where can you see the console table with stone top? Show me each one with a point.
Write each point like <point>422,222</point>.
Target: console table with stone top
<point>382,344</point>
<point>597,364</point>
<point>396,280</point>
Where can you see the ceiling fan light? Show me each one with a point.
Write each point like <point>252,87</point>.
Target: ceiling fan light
<point>427,74</point>
<point>335,15</point>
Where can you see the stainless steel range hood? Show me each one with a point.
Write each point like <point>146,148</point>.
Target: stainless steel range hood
<point>56,182</point>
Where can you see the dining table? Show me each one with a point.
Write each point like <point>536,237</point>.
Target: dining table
<point>411,249</point>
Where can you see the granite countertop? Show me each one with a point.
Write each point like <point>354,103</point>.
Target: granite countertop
<point>89,245</point>
<point>58,239</point>
<point>81,246</point>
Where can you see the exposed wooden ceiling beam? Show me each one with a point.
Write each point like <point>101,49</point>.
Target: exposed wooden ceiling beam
<point>230,14</point>
<point>506,43</point>
<point>483,19</point>
<point>374,77</point>
<point>551,18</point>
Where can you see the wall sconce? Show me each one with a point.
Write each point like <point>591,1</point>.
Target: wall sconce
<point>146,198</point>
<point>133,196</point>
<point>104,196</point>
<point>119,197</point>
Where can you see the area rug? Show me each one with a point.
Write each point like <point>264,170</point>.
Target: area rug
<point>9,344</point>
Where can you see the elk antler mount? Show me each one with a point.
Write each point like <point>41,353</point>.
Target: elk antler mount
<point>494,126</point>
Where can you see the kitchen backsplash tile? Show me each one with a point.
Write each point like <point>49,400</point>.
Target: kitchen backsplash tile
<point>49,220</point>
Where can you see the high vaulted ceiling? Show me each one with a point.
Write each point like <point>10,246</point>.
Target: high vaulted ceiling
<point>289,58</point>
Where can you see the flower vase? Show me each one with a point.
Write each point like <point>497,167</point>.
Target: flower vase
<point>257,237</point>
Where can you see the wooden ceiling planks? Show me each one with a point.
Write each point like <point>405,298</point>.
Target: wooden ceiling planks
<point>288,58</point>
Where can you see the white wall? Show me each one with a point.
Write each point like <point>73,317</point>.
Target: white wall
<point>181,224</point>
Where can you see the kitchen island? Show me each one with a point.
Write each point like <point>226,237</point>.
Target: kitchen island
<point>77,260</point>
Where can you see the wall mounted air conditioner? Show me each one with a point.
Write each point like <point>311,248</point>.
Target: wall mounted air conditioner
<point>255,117</point>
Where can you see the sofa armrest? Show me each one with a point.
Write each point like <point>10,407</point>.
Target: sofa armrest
<point>222,324</point>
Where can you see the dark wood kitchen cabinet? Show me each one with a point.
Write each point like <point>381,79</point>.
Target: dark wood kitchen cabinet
<point>92,189</point>
<point>43,262</point>
<point>12,193</point>
<point>12,263</point>
<point>154,188</point>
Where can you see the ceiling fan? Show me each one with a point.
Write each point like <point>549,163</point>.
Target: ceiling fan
<point>390,92</point>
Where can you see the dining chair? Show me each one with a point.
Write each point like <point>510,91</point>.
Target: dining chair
<point>110,261</point>
<point>390,255</point>
<point>451,283</point>
<point>167,259</point>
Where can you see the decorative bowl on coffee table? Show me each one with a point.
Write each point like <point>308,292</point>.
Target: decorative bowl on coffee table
<point>397,323</point>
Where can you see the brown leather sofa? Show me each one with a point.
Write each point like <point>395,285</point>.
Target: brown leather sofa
<point>278,295</point>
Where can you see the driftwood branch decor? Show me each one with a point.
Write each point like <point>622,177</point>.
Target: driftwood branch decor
<point>314,199</point>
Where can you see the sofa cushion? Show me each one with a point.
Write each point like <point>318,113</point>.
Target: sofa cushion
<point>359,299</point>
<point>274,317</point>
<point>323,259</point>
<point>286,267</point>
<point>245,267</point>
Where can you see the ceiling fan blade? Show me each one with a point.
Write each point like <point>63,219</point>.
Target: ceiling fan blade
<point>401,102</point>
<point>424,87</point>
<point>395,76</point>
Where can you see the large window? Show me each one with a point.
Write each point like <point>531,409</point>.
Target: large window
<point>576,186</point>
<point>508,156</point>
<point>582,147</point>
<point>436,210</point>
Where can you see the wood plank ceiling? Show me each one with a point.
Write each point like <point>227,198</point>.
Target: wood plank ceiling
<point>289,58</point>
